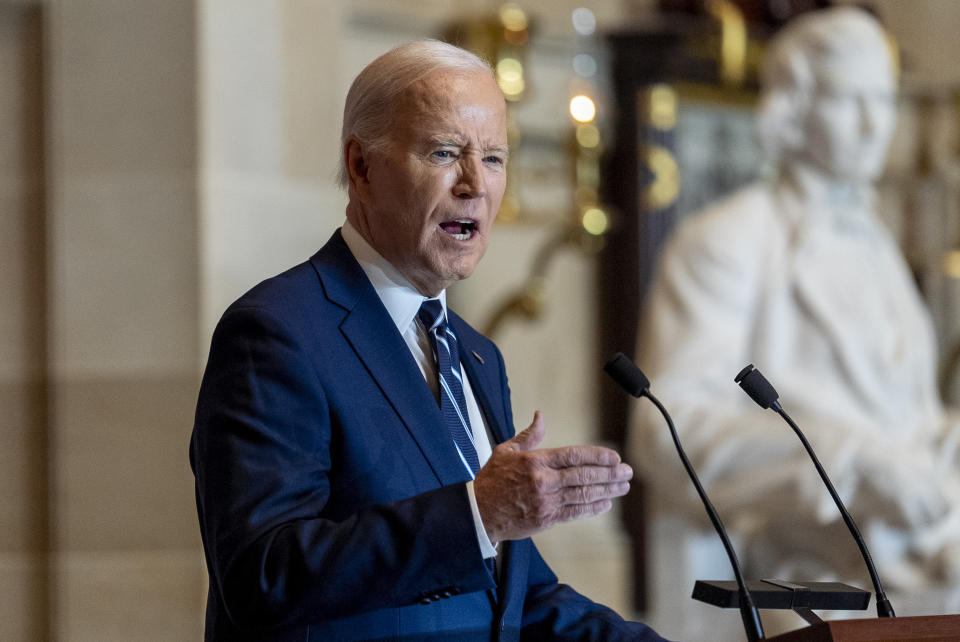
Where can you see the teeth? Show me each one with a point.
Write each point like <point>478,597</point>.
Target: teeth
<point>466,226</point>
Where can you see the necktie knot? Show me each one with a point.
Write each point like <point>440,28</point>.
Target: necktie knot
<point>431,316</point>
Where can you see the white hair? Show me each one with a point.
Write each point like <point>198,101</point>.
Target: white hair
<point>368,109</point>
<point>796,59</point>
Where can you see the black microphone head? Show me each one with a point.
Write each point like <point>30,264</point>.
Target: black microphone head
<point>626,373</point>
<point>757,386</point>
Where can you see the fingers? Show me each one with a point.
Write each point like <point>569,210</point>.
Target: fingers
<point>577,511</point>
<point>586,485</point>
<point>589,475</point>
<point>531,437</point>
<point>522,490</point>
<point>582,495</point>
<point>571,456</point>
<point>550,481</point>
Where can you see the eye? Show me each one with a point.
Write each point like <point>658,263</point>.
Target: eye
<point>442,154</point>
<point>494,160</point>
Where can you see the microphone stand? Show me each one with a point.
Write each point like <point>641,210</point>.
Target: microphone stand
<point>632,379</point>
<point>763,393</point>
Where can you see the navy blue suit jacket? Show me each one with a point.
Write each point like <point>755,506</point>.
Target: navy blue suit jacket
<point>332,504</point>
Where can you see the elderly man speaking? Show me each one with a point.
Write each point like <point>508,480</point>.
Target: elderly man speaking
<point>357,472</point>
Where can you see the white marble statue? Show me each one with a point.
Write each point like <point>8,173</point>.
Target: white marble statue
<point>798,276</point>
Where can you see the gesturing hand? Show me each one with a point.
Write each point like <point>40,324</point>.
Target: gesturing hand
<point>521,490</point>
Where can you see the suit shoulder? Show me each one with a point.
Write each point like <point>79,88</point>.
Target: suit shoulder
<point>285,291</point>
<point>301,287</point>
<point>293,302</point>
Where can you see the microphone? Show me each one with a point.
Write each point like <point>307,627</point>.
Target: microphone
<point>631,378</point>
<point>760,390</point>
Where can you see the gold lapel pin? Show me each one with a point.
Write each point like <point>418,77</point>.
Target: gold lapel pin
<point>479,358</point>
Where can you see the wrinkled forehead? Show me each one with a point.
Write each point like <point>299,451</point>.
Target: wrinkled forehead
<point>452,100</point>
<point>427,96</point>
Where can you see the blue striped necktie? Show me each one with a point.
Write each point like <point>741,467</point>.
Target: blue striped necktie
<point>453,403</point>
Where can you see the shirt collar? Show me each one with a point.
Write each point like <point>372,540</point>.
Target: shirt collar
<point>398,295</point>
<point>819,200</point>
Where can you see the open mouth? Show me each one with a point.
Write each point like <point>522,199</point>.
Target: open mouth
<point>461,229</point>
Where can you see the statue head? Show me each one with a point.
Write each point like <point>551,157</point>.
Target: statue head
<point>828,95</point>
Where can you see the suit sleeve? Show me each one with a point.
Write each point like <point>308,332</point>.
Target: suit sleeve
<point>261,453</point>
<point>554,611</point>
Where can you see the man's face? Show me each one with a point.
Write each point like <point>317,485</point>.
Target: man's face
<point>851,118</point>
<point>431,195</point>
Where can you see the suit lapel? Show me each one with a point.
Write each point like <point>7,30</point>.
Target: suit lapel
<point>480,362</point>
<point>370,331</point>
<point>374,338</point>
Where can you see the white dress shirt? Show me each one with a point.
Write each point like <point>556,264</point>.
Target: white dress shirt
<point>402,302</point>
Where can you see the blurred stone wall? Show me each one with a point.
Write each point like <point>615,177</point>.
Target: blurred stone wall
<point>158,158</point>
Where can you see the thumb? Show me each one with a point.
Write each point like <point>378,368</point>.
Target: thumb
<point>531,437</point>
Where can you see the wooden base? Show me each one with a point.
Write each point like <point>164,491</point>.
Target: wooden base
<point>899,629</point>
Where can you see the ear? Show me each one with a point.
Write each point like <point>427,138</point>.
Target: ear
<point>356,159</point>
<point>781,120</point>
<point>796,113</point>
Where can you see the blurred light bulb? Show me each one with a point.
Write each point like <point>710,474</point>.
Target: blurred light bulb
<point>584,22</point>
<point>595,221</point>
<point>510,69</point>
<point>510,78</point>
<point>513,17</point>
<point>584,65</point>
<point>588,136</point>
<point>582,108</point>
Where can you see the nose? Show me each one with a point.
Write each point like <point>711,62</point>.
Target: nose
<point>867,118</point>
<point>471,181</point>
<point>873,113</point>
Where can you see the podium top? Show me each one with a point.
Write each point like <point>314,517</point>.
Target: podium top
<point>901,629</point>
